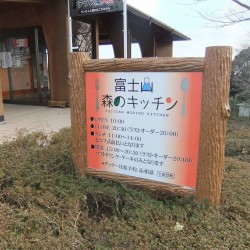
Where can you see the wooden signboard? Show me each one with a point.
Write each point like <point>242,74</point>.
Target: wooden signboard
<point>92,7</point>
<point>158,123</point>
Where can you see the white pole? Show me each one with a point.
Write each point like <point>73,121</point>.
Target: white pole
<point>69,28</point>
<point>125,29</point>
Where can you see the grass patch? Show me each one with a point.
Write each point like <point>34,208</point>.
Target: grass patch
<point>238,138</point>
<point>46,204</point>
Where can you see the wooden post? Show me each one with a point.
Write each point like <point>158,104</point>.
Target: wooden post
<point>1,103</point>
<point>215,112</point>
<point>95,39</point>
<point>78,110</point>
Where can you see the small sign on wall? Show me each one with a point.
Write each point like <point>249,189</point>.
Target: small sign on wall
<point>16,62</point>
<point>144,124</point>
<point>17,43</point>
<point>6,60</point>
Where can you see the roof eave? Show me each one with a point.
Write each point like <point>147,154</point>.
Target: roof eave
<point>177,36</point>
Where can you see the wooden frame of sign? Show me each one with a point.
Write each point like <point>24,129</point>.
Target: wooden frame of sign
<point>216,68</point>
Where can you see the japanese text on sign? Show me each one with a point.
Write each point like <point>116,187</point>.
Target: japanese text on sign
<point>144,125</point>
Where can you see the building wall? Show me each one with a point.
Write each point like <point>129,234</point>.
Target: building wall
<point>4,83</point>
<point>55,27</point>
<point>53,19</point>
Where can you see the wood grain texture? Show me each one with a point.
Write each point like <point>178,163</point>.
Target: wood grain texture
<point>166,64</point>
<point>143,183</point>
<point>214,115</point>
<point>78,110</point>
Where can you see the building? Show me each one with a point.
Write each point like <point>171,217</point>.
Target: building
<point>34,44</point>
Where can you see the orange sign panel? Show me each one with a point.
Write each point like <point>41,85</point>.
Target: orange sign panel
<point>144,124</point>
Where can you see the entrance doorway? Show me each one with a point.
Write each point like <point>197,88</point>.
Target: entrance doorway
<point>24,67</point>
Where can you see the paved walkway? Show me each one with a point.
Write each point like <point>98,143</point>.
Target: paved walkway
<point>32,118</point>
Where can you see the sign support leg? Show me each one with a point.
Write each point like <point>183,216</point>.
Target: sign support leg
<point>214,114</point>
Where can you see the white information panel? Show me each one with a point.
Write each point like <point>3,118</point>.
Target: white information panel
<point>144,124</point>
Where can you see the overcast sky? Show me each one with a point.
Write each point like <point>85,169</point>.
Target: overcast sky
<point>183,16</point>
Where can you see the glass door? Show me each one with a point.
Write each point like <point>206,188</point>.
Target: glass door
<point>24,67</point>
<point>21,73</point>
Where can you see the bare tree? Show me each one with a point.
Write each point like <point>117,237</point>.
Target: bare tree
<point>82,36</point>
<point>240,13</point>
<point>81,31</point>
<point>240,76</point>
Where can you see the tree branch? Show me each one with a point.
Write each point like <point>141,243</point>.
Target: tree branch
<point>242,4</point>
<point>225,20</point>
